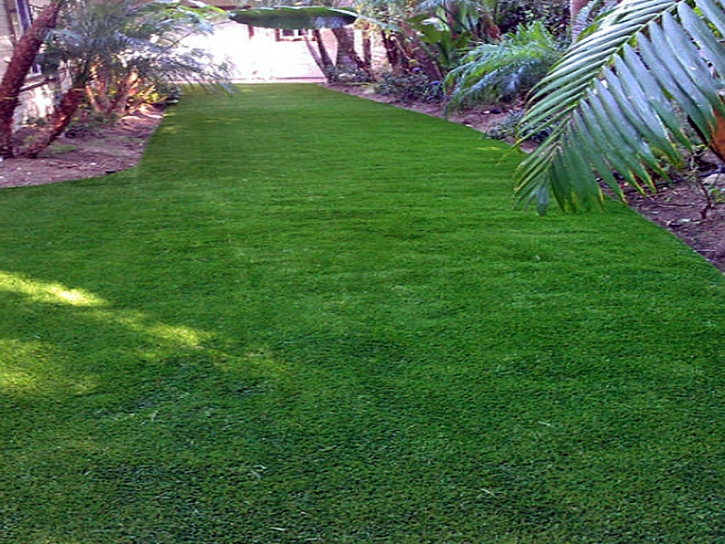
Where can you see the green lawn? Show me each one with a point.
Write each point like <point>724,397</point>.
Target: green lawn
<point>306,317</point>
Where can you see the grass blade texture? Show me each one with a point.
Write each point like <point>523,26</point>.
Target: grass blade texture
<point>307,317</point>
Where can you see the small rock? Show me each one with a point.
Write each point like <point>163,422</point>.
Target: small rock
<point>714,179</point>
<point>710,158</point>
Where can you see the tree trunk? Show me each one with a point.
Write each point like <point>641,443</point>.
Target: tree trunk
<point>17,70</point>
<point>416,51</point>
<point>58,120</point>
<point>324,56</point>
<point>314,53</point>
<point>367,46</point>
<point>396,59</point>
<point>128,86</point>
<point>97,93</point>
<point>92,100</point>
<point>575,6</point>
<point>346,54</point>
<point>490,29</point>
<point>716,141</point>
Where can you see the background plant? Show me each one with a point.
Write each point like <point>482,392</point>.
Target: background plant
<point>430,35</point>
<point>413,86</point>
<point>111,50</point>
<point>507,70</point>
<point>553,14</point>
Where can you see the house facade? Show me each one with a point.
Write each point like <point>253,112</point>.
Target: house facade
<point>264,54</point>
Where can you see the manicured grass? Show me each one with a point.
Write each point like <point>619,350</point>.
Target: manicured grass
<point>311,318</point>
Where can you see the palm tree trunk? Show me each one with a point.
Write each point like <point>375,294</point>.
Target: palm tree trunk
<point>127,87</point>
<point>716,142</point>
<point>575,6</point>
<point>57,121</point>
<point>490,29</point>
<point>396,59</point>
<point>346,53</point>
<point>17,70</point>
<point>320,55</point>
<point>325,58</point>
<point>367,46</point>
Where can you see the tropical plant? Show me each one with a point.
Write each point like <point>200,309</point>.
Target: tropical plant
<point>554,14</point>
<point>506,70</point>
<point>447,28</point>
<point>429,35</point>
<point>114,48</point>
<point>612,102</point>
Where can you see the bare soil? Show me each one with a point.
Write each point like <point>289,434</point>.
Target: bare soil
<point>85,153</point>
<point>677,207</point>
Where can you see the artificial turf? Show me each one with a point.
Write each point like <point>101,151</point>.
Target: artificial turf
<point>306,317</point>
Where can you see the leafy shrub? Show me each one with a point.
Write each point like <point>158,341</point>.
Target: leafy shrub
<point>159,93</point>
<point>554,15</point>
<point>508,129</point>
<point>87,122</point>
<point>412,86</point>
<point>507,70</point>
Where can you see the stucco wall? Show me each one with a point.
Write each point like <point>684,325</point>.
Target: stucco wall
<point>6,42</point>
<point>261,57</point>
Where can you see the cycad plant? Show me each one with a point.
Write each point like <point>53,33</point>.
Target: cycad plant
<point>620,101</point>
<point>506,70</point>
<point>111,48</point>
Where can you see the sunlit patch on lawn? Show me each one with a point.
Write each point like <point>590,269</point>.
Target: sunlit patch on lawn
<point>52,293</point>
<point>35,367</point>
<point>171,335</point>
<point>16,379</point>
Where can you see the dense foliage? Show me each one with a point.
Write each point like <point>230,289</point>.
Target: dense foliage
<point>613,102</point>
<point>505,70</point>
<point>113,54</point>
<point>459,52</point>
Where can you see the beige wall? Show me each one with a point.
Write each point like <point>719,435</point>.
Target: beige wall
<point>261,57</point>
<point>6,42</point>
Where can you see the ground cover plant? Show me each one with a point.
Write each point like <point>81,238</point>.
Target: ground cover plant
<point>307,317</point>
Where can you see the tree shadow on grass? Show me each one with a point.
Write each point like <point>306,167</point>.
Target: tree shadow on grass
<point>114,422</point>
<point>122,427</point>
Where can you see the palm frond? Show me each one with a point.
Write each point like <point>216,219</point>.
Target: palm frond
<point>504,70</point>
<point>294,17</point>
<point>613,101</point>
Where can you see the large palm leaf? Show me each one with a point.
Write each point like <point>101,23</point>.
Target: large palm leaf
<point>305,17</point>
<point>619,101</point>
